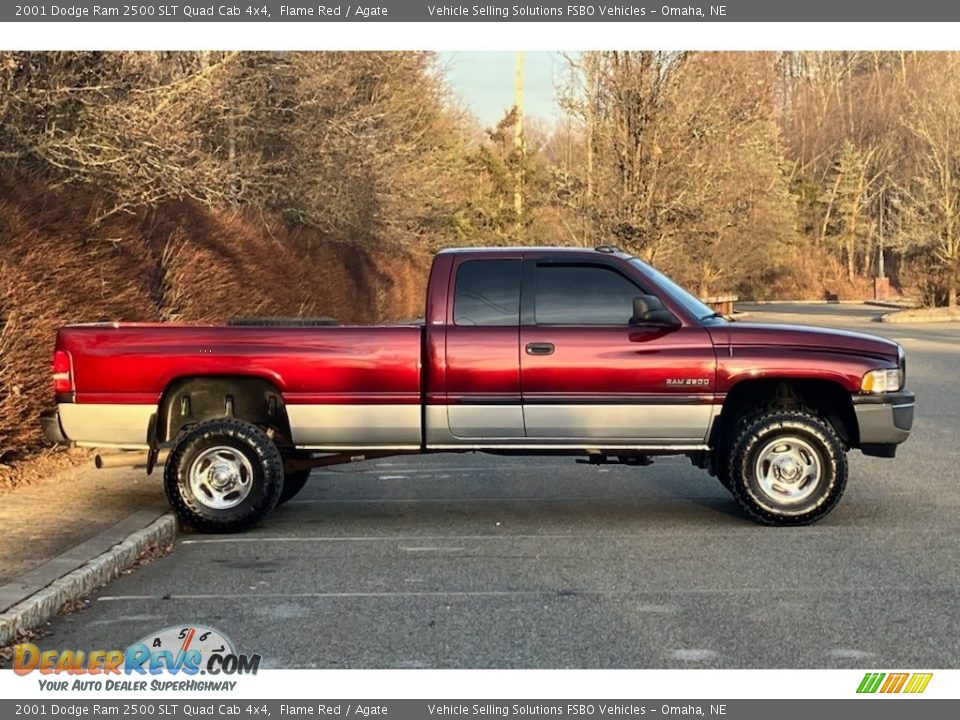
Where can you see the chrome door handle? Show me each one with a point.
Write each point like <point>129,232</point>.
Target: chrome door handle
<point>540,348</point>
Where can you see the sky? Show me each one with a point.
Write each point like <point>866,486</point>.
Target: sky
<point>485,81</point>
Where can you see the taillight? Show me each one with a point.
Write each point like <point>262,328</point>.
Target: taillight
<point>62,372</point>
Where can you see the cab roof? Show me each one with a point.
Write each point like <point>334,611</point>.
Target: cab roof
<point>580,251</point>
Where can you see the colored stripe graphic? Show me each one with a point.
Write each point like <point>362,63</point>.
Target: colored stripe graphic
<point>870,682</point>
<point>918,683</point>
<point>894,682</point>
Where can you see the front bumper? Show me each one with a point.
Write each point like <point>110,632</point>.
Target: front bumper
<point>52,430</point>
<point>885,420</point>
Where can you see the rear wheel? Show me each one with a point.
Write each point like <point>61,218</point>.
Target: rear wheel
<point>787,467</point>
<point>223,476</point>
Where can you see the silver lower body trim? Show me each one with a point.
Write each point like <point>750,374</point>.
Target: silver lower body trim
<point>480,421</point>
<point>398,427</point>
<point>615,423</point>
<point>627,426</point>
<point>355,426</point>
<point>359,448</point>
<point>106,425</point>
<point>439,419</point>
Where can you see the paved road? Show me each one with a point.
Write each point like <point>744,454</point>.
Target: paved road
<point>476,561</point>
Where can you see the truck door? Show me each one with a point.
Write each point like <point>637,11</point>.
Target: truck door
<point>588,375</point>
<point>483,366</point>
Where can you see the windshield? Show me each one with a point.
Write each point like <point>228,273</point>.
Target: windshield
<point>690,303</point>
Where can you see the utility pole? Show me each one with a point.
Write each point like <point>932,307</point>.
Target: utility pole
<point>591,82</point>
<point>880,269</point>
<point>518,142</point>
<point>881,284</point>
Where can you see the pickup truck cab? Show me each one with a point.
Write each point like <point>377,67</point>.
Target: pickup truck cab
<point>562,351</point>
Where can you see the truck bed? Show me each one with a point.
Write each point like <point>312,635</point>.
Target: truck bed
<point>357,383</point>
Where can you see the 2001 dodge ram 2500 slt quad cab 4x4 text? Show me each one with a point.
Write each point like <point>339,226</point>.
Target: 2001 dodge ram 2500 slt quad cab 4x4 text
<point>521,351</point>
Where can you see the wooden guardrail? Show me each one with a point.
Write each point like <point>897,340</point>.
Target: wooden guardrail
<point>722,303</point>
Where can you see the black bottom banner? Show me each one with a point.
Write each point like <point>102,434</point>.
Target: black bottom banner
<point>873,708</point>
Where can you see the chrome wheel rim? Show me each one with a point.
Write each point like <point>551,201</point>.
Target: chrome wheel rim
<point>788,470</point>
<point>221,477</point>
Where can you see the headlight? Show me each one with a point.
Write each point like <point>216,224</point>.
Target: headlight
<point>881,381</point>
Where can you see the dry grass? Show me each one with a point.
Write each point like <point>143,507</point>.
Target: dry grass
<point>44,465</point>
<point>817,275</point>
<point>176,262</point>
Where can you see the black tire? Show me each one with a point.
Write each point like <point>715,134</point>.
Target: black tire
<point>722,455</point>
<point>292,484</point>
<point>226,444</point>
<point>787,467</point>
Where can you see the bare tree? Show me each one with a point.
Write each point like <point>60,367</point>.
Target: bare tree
<point>936,189</point>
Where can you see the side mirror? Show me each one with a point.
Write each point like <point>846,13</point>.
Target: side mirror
<point>648,310</point>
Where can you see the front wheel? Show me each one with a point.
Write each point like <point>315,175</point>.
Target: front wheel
<point>787,468</point>
<point>223,476</point>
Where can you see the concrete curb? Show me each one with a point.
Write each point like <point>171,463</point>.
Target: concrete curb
<point>921,316</point>
<point>44,604</point>
<point>894,304</point>
<point>800,302</point>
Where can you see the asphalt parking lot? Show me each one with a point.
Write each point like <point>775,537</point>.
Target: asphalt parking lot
<point>479,561</point>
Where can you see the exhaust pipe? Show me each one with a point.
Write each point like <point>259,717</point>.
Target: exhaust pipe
<point>127,460</point>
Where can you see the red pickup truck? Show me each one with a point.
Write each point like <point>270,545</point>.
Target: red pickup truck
<point>521,351</point>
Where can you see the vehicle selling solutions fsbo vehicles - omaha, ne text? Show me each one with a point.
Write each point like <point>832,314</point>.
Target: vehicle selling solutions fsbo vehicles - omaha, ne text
<point>521,351</point>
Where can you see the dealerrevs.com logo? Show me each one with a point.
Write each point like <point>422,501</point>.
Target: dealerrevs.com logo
<point>149,664</point>
<point>897,682</point>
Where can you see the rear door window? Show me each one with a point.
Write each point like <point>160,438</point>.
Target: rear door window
<point>487,293</point>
